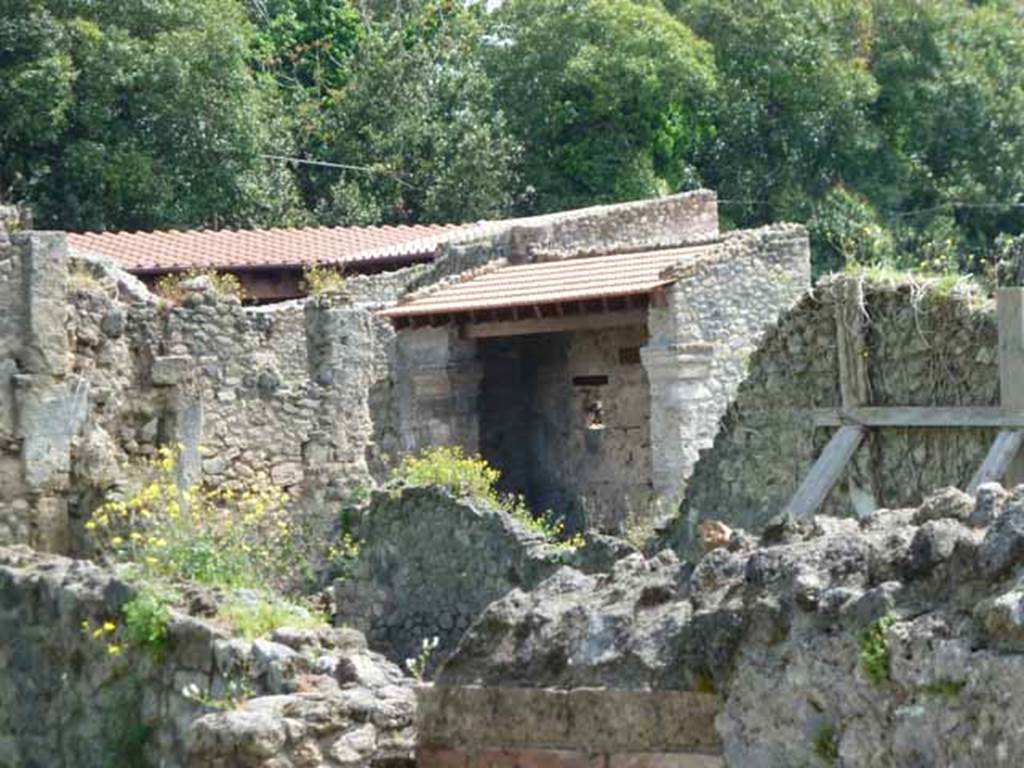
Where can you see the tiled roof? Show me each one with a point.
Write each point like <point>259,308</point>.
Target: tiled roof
<point>568,280</point>
<point>171,251</point>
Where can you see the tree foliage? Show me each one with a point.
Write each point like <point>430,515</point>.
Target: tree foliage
<point>906,115</point>
<point>418,116</point>
<point>893,128</point>
<point>135,115</point>
<point>610,98</point>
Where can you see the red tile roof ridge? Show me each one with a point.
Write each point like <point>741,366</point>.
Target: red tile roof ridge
<point>276,247</point>
<point>462,277</point>
<point>502,286</point>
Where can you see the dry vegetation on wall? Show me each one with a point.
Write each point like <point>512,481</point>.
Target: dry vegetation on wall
<point>175,286</point>
<point>323,281</point>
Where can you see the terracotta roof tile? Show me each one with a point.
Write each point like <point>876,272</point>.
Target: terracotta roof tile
<point>578,279</point>
<point>171,251</point>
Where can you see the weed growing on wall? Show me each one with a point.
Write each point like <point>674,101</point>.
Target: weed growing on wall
<point>220,536</point>
<point>235,538</point>
<point>236,691</point>
<point>826,744</point>
<point>259,614</point>
<point>323,281</point>
<point>147,618</point>
<point>106,633</point>
<point>417,665</point>
<point>82,279</point>
<point>874,650</point>
<point>341,555</point>
<point>171,286</point>
<point>449,467</point>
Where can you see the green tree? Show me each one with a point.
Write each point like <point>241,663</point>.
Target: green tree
<point>415,126</point>
<point>793,113</point>
<point>137,114</point>
<point>951,109</point>
<point>610,98</point>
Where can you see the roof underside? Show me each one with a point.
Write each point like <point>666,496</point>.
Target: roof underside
<point>173,251</point>
<point>620,281</point>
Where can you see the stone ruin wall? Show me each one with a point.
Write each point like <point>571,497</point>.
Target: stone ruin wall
<point>99,373</point>
<point>400,591</point>
<point>714,317</point>
<point>925,346</point>
<point>316,698</point>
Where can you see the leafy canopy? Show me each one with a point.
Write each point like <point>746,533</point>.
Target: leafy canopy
<point>136,114</point>
<point>608,97</point>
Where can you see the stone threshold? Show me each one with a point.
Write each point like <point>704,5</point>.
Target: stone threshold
<point>506,727</point>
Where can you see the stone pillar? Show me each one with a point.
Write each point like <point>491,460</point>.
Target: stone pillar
<point>48,405</point>
<point>437,382</point>
<point>680,397</point>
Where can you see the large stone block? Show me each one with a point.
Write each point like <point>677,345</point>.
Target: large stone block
<point>49,416</point>
<point>44,270</point>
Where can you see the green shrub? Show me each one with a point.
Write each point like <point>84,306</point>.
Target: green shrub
<point>874,650</point>
<point>449,467</point>
<point>147,619</point>
<point>245,536</point>
<point>826,745</point>
<point>254,617</point>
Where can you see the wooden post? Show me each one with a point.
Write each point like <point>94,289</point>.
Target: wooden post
<point>999,459</point>
<point>1010,314</point>
<point>855,387</point>
<point>825,473</point>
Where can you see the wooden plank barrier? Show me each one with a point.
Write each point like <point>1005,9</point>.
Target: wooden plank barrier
<point>1005,459</point>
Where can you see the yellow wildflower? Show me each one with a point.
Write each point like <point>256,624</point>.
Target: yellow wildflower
<point>114,649</point>
<point>109,626</point>
<point>117,541</point>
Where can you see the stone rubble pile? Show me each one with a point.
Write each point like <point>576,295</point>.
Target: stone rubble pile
<point>892,640</point>
<point>300,699</point>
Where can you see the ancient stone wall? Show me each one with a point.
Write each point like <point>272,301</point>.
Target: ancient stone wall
<point>316,698</point>
<point>566,418</point>
<point>701,339</point>
<point>41,401</point>
<point>689,217</point>
<point>97,372</point>
<point>925,345</point>
<point>429,564</point>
